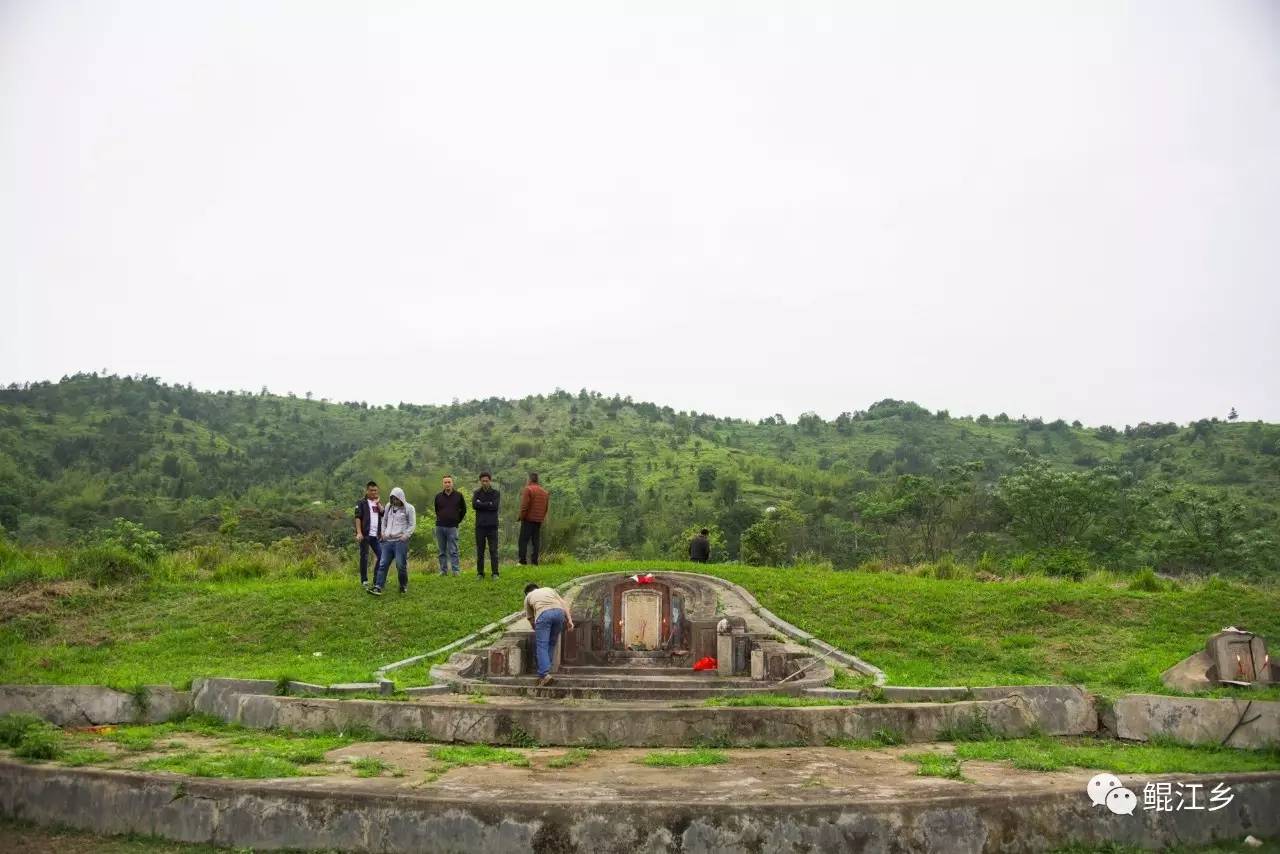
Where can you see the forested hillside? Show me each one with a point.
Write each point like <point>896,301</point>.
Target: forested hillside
<point>895,483</point>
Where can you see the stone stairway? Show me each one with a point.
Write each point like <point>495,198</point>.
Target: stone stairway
<point>653,682</point>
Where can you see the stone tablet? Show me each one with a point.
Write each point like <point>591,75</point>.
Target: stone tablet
<point>1239,657</point>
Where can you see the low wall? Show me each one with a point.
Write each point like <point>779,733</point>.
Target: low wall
<point>1195,720</point>
<point>629,726</point>
<point>94,705</point>
<point>274,814</point>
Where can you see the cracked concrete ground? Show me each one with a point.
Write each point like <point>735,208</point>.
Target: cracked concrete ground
<point>772,775</point>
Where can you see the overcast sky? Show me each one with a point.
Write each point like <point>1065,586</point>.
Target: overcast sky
<point>1059,209</point>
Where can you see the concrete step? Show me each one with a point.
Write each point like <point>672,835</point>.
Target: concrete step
<point>631,681</point>
<point>622,670</point>
<point>559,691</point>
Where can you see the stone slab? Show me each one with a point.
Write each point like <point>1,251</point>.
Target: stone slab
<point>946,816</point>
<point>1239,656</point>
<point>429,690</point>
<point>70,705</point>
<point>1191,674</point>
<point>724,654</point>
<point>164,703</point>
<point>1195,720</point>
<point>94,705</point>
<point>647,725</point>
<point>824,693</point>
<point>911,694</point>
<point>1058,709</point>
<point>219,696</point>
<point>356,688</point>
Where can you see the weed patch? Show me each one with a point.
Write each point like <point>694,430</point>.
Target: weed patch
<point>684,758</point>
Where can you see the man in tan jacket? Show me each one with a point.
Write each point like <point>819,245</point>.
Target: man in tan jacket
<point>549,615</point>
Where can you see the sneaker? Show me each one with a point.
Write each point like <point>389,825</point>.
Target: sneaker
<point>374,591</point>
<point>364,584</point>
<point>495,576</point>
<point>545,681</point>
<point>404,589</point>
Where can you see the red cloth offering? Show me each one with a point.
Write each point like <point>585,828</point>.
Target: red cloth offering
<point>707,663</point>
<point>647,578</point>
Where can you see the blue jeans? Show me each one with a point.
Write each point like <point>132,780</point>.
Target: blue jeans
<point>447,545</point>
<point>398,549</point>
<point>546,631</point>
<point>369,544</point>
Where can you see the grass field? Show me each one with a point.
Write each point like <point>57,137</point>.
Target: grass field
<point>180,625</point>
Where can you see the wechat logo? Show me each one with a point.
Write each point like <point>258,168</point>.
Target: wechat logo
<point>1107,790</point>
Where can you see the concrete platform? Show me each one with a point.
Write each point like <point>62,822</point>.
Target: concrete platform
<point>783,801</point>
<point>642,721</point>
<point>648,724</point>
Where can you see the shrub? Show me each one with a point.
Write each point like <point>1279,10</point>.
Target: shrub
<point>1060,563</point>
<point>42,742</point>
<point>106,564</point>
<point>209,556</point>
<point>14,727</point>
<point>813,560</point>
<point>240,567</point>
<point>945,568</point>
<point>133,538</point>
<point>18,572</point>
<point>305,568</point>
<point>1146,580</point>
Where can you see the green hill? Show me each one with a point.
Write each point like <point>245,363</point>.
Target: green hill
<point>895,483</point>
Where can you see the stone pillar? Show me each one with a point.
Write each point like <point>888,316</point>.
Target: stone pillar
<point>724,654</point>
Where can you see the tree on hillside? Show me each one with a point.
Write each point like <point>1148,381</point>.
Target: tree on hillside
<point>775,540</point>
<point>1052,508</point>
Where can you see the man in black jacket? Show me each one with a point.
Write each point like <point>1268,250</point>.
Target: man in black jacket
<point>485,502</point>
<point>451,509</point>
<point>368,526</point>
<point>700,547</point>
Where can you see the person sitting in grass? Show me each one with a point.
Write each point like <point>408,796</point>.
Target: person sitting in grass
<point>549,614</point>
<point>398,524</point>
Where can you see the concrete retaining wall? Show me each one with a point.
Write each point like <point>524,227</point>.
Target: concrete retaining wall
<point>628,726</point>
<point>1194,720</point>
<point>289,814</point>
<point>94,705</point>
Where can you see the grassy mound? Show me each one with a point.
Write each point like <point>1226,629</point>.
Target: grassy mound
<point>190,616</point>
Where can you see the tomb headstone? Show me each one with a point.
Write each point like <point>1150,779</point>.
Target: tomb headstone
<point>1240,657</point>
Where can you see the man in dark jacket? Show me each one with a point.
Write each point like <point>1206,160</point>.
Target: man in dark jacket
<point>451,509</point>
<point>534,503</point>
<point>700,547</point>
<point>368,526</point>
<point>485,502</point>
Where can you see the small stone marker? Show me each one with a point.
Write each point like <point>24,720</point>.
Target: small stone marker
<point>1240,657</point>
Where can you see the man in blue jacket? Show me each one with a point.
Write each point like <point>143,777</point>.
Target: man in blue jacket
<point>485,501</point>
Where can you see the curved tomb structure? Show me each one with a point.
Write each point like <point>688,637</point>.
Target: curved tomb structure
<point>639,637</point>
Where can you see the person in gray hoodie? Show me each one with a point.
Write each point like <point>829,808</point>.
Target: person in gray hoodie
<point>398,524</point>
